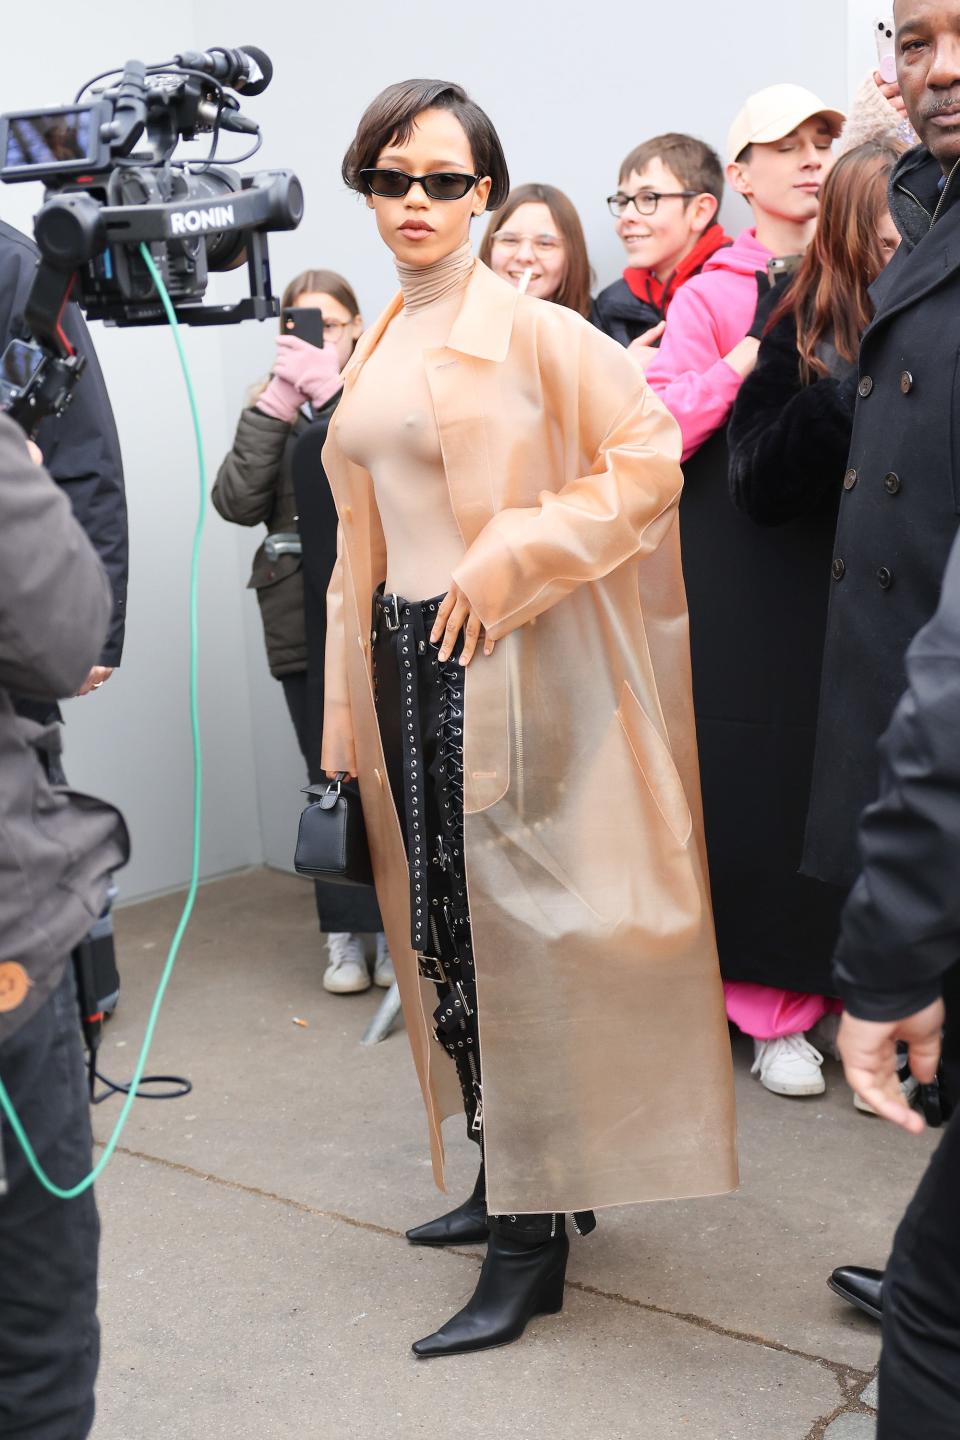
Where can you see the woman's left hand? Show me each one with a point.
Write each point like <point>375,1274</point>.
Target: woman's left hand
<point>453,616</point>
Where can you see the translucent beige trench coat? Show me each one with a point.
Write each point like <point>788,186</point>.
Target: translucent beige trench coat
<point>605,1053</point>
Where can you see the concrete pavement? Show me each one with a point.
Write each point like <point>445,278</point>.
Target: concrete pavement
<point>256,1284</point>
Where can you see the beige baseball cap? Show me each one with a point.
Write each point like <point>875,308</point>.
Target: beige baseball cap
<point>775,112</point>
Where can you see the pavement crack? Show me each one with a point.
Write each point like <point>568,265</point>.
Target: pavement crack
<point>255,1190</point>
<point>850,1380</point>
<point>820,1427</point>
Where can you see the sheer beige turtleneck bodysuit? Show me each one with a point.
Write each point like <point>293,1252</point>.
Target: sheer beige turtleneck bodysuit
<point>388,426</point>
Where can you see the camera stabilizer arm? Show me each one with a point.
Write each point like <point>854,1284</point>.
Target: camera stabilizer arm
<point>77,235</point>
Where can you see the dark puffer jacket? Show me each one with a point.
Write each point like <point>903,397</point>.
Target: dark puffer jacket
<point>255,487</point>
<point>622,315</point>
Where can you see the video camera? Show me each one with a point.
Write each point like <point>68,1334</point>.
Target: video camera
<point>104,198</point>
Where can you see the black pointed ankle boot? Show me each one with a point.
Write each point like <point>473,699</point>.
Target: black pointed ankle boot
<point>522,1276</point>
<point>466,1225</point>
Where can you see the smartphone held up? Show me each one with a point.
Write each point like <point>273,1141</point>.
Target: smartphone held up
<point>886,50</point>
<point>306,322</point>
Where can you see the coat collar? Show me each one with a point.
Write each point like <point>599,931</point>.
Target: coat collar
<point>929,220</point>
<point>482,328</point>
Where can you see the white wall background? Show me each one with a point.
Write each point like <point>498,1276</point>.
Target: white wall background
<point>570,92</point>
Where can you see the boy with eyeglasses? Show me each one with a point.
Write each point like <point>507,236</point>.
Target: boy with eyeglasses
<point>668,194</point>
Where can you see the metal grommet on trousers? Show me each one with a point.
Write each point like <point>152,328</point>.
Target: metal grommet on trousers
<point>420,708</point>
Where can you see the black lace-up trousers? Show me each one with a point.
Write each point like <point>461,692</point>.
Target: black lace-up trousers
<point>420,713</point>
<point>420,710</point>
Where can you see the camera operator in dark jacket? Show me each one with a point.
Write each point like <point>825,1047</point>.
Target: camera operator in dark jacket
<point>898,969</point>
<point>80,448</point>
<point>57,853</point>
<point>901,498</point>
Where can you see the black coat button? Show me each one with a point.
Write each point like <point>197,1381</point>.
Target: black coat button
<point>891,483</point>
<point>865,386</point>
<point>884,578</point>
<point>906,382</point>
<point>850,479</point>
<point>838,569</point>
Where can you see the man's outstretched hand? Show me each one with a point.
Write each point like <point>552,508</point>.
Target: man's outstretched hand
<point>868,1049</point>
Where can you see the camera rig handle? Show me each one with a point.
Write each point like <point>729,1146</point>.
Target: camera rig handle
<point>72,229</point>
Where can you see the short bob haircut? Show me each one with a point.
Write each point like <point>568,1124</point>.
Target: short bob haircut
<point>389,120</point>
<point>574,291</point>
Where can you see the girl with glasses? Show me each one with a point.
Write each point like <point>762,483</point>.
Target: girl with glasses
<point>256,485</point>
<point>519,713</point>
<point>538,231</point>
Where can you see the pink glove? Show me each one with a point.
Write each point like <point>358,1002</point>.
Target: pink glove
<point>280,400</point>
<point>314,372</point>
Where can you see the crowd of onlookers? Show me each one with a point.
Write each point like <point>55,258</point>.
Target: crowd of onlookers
<point>751,342</point>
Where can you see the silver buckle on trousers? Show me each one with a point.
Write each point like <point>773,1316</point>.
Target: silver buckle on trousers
<point>391,613</point>
<point>431,969</point>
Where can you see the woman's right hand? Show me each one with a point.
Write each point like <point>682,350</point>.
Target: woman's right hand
<point>891,93</point>
<point>332,774</point>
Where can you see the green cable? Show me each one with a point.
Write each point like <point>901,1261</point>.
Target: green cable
<point>5,1102</point>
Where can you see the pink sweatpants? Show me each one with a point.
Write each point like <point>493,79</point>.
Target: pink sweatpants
<point>766,1013</point>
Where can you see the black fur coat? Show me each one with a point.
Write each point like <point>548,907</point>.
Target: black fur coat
<point>758,618</point>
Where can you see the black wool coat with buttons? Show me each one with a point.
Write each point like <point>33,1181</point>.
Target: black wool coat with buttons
<point>899,508</point>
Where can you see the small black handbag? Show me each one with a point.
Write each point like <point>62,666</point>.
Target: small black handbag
<point>332,839</point>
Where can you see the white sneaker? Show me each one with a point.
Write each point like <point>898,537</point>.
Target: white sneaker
<point>824,1035</point>
<point>383,972</point>
<point>908,1089</point>
<point>788,1065</point>
<point>347,972</point>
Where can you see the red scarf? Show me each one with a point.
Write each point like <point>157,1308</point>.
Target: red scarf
<point>658,293</point>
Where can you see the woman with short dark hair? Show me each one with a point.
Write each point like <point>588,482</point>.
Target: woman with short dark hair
<point>520,717</point>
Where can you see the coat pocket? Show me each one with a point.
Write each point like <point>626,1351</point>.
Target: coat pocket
<point>656,765</point>
<point>266,573</point>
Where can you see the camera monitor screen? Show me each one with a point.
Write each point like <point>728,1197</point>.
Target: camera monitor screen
<point>18,363</point>
<point>52,139</point>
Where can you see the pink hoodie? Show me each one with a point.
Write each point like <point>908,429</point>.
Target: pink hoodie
<point>709,315</point>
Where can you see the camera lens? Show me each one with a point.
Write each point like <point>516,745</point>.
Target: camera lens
<point>226,249</point>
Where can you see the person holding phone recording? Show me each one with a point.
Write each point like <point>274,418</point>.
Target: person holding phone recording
<point>319,327</point>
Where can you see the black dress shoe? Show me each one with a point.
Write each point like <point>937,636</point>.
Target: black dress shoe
<point>517,1281</point>
<point>859,1287</point>
<point>466,1225</point>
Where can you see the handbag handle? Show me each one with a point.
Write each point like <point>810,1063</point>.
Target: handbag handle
<point>327,795</point>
